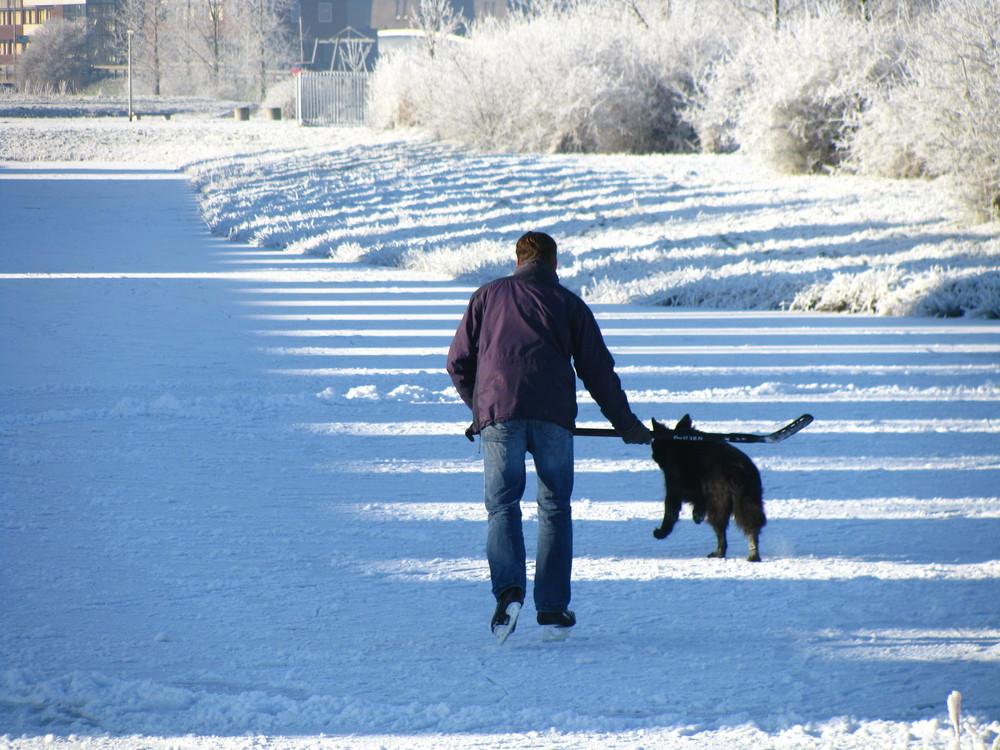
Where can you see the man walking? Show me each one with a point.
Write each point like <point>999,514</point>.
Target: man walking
<point>515,357</point>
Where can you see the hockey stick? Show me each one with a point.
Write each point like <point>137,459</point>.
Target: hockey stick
<point>733,437</point>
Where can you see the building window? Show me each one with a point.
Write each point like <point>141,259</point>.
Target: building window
<point>325,12</point>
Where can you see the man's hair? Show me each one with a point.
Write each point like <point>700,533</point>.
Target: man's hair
<point>534,246</point>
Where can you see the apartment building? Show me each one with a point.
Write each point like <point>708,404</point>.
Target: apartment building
<point>21,19</point>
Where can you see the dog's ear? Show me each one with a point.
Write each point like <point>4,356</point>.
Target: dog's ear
<point>684,424</point>
<point>658,428</point>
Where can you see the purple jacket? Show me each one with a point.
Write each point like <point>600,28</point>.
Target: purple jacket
<point>514,353</point>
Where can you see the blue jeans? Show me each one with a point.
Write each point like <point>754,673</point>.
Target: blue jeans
<point>504,448</point>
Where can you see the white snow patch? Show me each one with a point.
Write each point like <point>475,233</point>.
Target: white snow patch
<point>185,517</point>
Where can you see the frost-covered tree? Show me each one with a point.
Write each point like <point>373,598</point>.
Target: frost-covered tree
<point>149,21</point>
<point>789,98</point>
<point>944,116</point>
<point>770,11</point>
<point>258,39</point>
<point>227,48</point>
<point>199,31</point>
<point>954,94</point>
<point>58,58</point>
<point>437,19</point>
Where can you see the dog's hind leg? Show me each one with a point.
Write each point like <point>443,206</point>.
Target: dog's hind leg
<point>749,515</point>
<point>717,501</point>
<point>720,534</point>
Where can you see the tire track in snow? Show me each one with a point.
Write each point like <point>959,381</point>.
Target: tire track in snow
<point>765,393</point>
<point>741,349</point>
<point>652,569</point>
<point>633,466</point>
<point>870,426</point>
<point>868,508</point>
<point>609,333</point>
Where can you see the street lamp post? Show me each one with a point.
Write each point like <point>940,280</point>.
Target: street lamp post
<point>129,32</point>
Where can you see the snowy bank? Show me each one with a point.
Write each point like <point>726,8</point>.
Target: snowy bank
<point>707,231</point>
<point>710,231</point>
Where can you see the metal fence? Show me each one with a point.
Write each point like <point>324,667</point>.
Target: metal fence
<point>332,98</point>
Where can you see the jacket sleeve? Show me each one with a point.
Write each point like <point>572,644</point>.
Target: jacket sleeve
<point>463,355</point>
<point>596,368</point>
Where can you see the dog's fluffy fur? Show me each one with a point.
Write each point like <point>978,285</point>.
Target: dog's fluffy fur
<point>718,480</point>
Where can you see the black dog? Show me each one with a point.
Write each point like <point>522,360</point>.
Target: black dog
<point>717,479</point>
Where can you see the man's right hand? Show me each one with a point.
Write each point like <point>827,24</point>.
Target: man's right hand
<point>638,434</point>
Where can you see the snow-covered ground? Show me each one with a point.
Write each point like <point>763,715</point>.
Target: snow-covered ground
<point>238,509</point>
<point>689,231</point>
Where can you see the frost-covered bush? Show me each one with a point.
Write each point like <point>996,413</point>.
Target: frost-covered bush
<point>57,60</point>
<point>713,109</point>
<point>789,96</point>
<point>900,88</point>
<point>891,290</point>
<point>805,84</point>
<point>281,95</point>
<point>884,142</point>
<point>402,86</point>
<point>477,261</point>
<point>580,76</point>
<point>944,119</point>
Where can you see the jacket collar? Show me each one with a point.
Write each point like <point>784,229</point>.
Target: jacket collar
<point>536,272</point>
